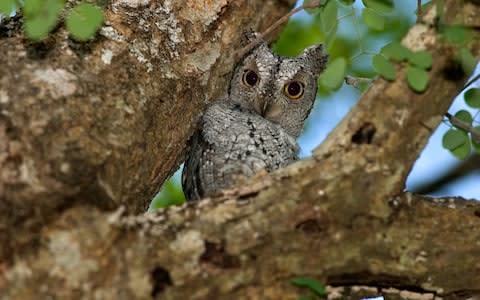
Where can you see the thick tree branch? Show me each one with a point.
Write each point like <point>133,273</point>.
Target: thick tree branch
<point>105,122</point>
<point>234,248</point>
<point>393,121</point>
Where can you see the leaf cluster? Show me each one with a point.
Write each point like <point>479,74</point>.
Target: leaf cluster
<point>42,16</point>
<point>417,69</point>
<point>458,140</point>
<point>327,16</point>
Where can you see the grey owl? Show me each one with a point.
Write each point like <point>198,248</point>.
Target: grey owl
<point>255,126</point>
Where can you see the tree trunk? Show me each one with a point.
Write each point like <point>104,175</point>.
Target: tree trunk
<point>91,127</point>
<point>104,123</point>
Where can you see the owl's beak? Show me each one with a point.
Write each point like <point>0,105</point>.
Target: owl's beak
<point>264,109</point>
<point>261,107</point>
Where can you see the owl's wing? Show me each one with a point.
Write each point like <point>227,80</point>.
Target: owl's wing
<point>277,148</point>
<point>289,152</point>
<point>201,167</point>
<point>190,174</point>
<point>232,142</point>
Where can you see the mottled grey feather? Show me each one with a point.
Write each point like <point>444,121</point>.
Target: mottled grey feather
<point>255,126</point>
<point>233,141</point>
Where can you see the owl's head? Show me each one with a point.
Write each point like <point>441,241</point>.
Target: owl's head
<point>281,89</point>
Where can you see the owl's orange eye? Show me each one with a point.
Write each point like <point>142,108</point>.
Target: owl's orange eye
<point>293,90</point>
<point>250,78</point>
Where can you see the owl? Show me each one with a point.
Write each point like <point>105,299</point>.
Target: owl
<point>256,124</point>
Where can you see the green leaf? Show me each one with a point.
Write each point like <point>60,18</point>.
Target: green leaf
<point>311,283</point>
<point>7,7</point>
<point>304,298</point>
<point>440,10</point>
<point>373,20</point>
<point>422,59</point>
<point>453,139</point>
<point>37,28</point>
<point>458,35</point>
<point>333,77</point>
<point>467,60</point>
<point>417,78</point>
<point>463,151</point>
<point>396,51</point>
<point>84,20</point>
<point>465,116</point>
<point>330,38</point>
<point>380,6</point>
<point>457,142</point>
<point>472,97</point>
<point>328,17</point>
<point>347,2</point>
<point>384,67</point>
<point>475,144</point>
<point>41,16</point>
<point>32,7</point>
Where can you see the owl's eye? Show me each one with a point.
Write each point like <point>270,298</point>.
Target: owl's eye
<point>250,78</point>
<point>293,90</point>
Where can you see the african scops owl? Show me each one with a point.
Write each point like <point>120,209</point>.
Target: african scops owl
<point>255,126</point>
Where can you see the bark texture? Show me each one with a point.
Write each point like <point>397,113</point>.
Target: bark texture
<point>104,123</point>
<point>79,145</point>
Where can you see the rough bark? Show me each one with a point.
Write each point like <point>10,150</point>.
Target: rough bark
<point>244,248</point>
<point>340,216</point>
<point>104,123</point>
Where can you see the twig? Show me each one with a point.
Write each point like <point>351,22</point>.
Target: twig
<point>356,81</point>
<point>469,83</point>
<point>283,19</point>
<point>419,9</point>
<point>465,126</point>
<point>466,167</point>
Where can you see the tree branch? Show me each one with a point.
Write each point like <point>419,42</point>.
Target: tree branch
<point>239,247</point>
<point>105,122</point>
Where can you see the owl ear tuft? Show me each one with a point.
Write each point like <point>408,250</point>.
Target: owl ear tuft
<point>316,59</point>
<point>248,36</point>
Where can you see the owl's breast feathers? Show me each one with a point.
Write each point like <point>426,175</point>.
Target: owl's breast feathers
<point>233,142</point>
